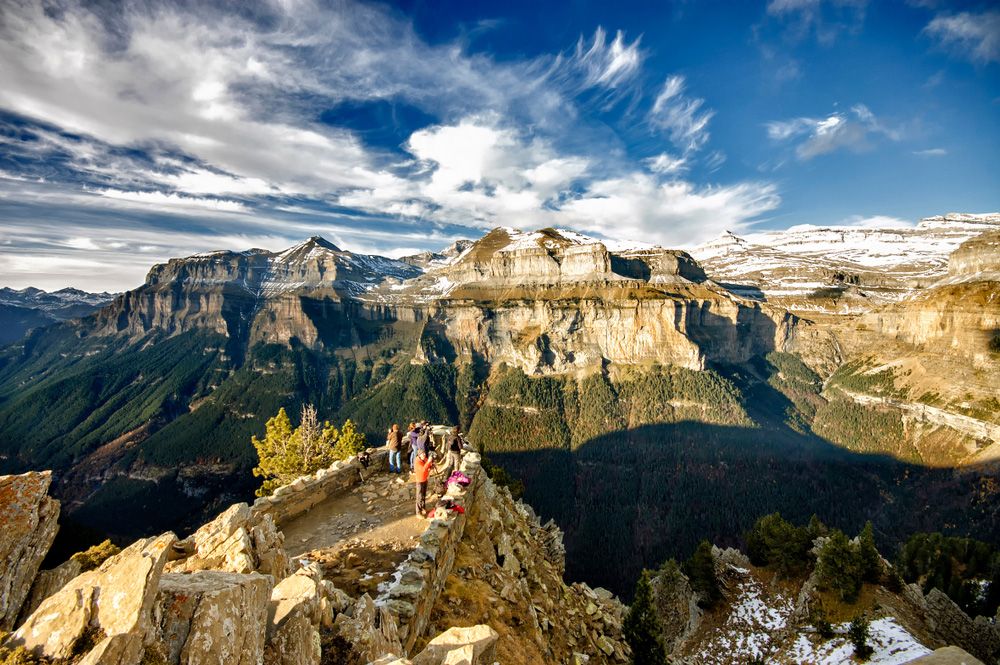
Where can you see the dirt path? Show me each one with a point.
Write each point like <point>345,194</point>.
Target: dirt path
<point>360,537</point>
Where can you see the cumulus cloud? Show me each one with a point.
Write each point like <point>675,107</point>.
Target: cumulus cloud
<point>974,36</point>
<point>838,131</point>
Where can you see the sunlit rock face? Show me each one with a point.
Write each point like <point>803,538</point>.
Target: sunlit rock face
<point>28,525</point>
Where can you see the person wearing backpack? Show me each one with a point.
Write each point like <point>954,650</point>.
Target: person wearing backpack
<point>394,440</point>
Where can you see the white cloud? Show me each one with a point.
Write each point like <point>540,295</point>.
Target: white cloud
<point>682,118</point>
<point>970,35</point>
<point>666,163</point>
<point>608,65</point>
<point>877,222</point>
<point>931,152</point>
<point>169,200</point>
<point>676,213</point>
<point>839,130</point>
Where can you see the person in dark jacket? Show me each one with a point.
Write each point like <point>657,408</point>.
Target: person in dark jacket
<point>394,441</point>
<point>411,437</point>
<point>453,452</point>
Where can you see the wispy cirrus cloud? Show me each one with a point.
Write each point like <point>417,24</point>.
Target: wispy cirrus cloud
<point>931,152</point>
<point>684,119</point>
<point>825,20</point>
<point>970,35</point>
<point>852,131</point>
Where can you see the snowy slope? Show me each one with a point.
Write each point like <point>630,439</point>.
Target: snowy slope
<point>878,264</point>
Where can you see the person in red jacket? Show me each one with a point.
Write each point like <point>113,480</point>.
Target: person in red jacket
<point>422,468</point>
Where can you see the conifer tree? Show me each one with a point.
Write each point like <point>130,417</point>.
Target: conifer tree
<point>858,633</point>
<point>839,566</point>
<point>871,562</point>
<point>700,569</point>
<point>285,454</point>
<point>642,626</point>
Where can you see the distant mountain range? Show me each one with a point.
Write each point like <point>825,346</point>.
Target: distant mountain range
<point>841,371</point>
<point>25,309</point>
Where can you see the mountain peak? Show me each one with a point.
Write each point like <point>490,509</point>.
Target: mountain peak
<point>313,244</point>
<point>320,241</point>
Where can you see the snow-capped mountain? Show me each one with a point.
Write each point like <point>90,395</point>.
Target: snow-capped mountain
<point>24,309</point>
<point>822,268</point>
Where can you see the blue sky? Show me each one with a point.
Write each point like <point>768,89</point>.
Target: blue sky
<point>131,133</point>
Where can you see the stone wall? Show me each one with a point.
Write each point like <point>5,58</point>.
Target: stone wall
<point>291,500</point>
<point>419,580</point>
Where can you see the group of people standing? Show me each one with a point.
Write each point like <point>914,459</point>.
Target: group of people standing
<point>418,445</point>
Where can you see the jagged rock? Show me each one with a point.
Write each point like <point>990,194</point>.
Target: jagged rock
<point>371,629</point>
<point>294,618</point>
<point>210,617</point>
<point>28,525</point>
<point>676,606</point>
<point>47,582</point>
<point>239,541</point>
<point>111,605</point>
<point>472,646</point>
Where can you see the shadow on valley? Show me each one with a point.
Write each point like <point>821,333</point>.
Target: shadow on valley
<point>631,499</point>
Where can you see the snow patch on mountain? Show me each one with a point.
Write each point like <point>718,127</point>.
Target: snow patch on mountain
<point>892,645</point>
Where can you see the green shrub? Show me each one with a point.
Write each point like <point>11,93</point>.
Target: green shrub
<point>96,555</point>
<point>820,622</point>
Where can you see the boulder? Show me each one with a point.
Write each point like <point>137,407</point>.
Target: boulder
<point>294,619</point>
<point>470,646</point>
<point>28,525</point>
<point>102,615</point>
<point>210,617</point>
<point>47,582</point>
<point>238,541</point>
<point>371,629</point>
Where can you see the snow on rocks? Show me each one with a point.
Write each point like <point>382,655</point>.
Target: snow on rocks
<point>751,629</point>
<point>892,645</point>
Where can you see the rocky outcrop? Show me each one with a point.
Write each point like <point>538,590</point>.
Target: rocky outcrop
<point>102,616</point>
<point>239,541</point>
<point>948,624</point>
<point>476,644</point>
<point>210,617</point>
<point>295,614</point>
<point>976,256</point>
<point>28,525</point>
